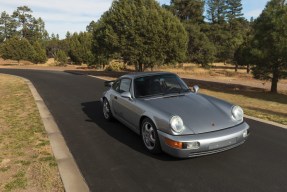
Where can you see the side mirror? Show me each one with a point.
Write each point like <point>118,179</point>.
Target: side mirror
<point>109,83</point>
<point>195,88</point>
<point>127,95</point>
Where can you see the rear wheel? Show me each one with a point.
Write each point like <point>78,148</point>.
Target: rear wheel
<point>150,137</point>
<point>107,110</point>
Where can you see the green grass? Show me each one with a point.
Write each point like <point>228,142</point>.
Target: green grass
<point>24,145</point>
<point>19,181</point>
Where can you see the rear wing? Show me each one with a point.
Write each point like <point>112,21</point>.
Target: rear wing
<point>109,83</point>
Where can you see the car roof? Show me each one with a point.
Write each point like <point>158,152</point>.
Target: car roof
<point>144,74</point>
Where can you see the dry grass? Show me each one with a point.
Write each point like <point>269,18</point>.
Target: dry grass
<point>26,160</point>
<point>8,62</point>
<point>272,107</point>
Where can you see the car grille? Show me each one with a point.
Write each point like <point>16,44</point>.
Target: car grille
<point>216,150</point>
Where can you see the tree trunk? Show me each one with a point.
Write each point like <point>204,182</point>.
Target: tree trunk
<point>236,67</point>
<point>248,69</point>
<point>140,67</point>
<point>275,80</point>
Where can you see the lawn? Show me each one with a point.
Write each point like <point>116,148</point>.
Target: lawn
<point>26,160</point>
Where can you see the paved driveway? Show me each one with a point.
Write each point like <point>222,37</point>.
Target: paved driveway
<point>112,158</point>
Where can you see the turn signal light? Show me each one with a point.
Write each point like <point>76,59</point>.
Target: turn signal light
<point>173,144</point>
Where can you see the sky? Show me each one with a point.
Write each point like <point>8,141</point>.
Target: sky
<point>61,16</point>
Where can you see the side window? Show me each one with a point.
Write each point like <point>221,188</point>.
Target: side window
<point>125,85</point>
<point>116,86</point>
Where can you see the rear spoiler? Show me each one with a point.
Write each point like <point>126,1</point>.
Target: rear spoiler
<point>108,83</point>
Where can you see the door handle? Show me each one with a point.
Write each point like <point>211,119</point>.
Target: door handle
<point>116,97</point>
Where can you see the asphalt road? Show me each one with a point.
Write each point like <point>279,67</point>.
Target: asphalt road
<point>112,158</point>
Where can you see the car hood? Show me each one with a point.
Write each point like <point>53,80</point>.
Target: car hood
<point>199,113</point>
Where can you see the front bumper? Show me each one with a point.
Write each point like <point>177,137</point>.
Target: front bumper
<point>210,143</point>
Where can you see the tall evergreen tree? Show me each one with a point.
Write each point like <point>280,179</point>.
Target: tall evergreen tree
<point>38,31</point>
<point>216,11</point>
<point>80,48</point>
<point>23,15</point>
<point>200,49</point>
<point>90,28</point>
<point>40,53</point>
<point>188,10</point>
<point>18,49</point>
<point>8,26</point>
<point>141,33</point>
<point>234,9</point>
<point>270,43</point>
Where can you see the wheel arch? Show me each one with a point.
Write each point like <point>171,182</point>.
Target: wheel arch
<point>146,117</point>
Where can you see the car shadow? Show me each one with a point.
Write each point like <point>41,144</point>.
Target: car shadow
<point>118,131</point>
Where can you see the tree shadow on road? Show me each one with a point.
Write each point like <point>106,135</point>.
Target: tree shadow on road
<point>118,131</point>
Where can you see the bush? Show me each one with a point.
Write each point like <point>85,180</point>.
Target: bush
<point>61,58</point>
<point>115,66</point>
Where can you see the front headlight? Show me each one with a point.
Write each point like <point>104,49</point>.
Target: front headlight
<point>176,124</point>
<point>237,113</point>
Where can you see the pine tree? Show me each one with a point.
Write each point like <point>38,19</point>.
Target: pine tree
<point>17,49</point>
<point>30,27</point>
<point>24,18</point>
<point>270,43</point>
<point>40,53</point>
<point>234,9</point>
<point>140,32</point>
<point>216,11</point>
<point>61,58</point>
<point>8,26</point>
<point>188,10</point>
<point>200,49</point>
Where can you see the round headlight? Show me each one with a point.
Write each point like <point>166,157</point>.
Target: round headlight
<point>237,113</point>
<point>176,124</point>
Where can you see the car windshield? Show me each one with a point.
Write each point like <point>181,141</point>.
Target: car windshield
<point>159,85</point>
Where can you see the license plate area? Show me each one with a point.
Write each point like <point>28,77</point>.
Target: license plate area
<point>222,144</point>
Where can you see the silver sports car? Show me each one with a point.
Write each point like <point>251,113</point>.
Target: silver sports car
<point>172,118</point>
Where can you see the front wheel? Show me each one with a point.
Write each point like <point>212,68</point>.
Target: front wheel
<point>107,110</point>
<point>150,136</point>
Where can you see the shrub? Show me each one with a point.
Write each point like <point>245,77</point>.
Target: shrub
<point>115,66</point>
<point>61,58</point>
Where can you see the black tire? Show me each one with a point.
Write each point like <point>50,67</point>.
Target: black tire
<point>150,137</point>
<point>107,110</point>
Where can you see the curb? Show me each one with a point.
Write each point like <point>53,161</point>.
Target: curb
<point>266,121</point>
<point>71,176</point>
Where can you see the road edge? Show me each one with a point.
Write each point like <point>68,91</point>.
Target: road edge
<point>71,176</point>
<point>266,121</point>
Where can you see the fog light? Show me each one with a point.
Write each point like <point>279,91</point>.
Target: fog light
<point>173,144</point>
<point>245,133</point>
<point>192,145</point>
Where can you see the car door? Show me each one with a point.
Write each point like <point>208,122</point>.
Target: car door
<point>126,106</point>
<point>114,98</point>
